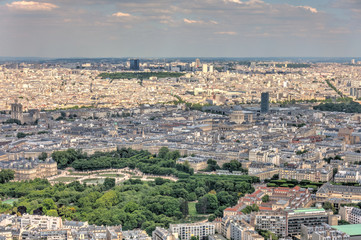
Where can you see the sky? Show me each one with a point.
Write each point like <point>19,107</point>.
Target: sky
<point>180,28</point>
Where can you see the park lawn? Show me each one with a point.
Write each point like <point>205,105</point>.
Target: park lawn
<point>80,174</point>
<point>94,180</point>
<point>111,175</point>
<point>192,209</point>
<point>10,201</point>
<point>65,179</point>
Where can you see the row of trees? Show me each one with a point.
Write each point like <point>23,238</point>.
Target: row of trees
<point>347,107</point>
<point>164,163</point>
<point>293,183</point>
<point>233,165</point>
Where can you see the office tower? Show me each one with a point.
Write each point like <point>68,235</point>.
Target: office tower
<point>198,63</point>
<point>264,102</point>
<point>353,61</point>
<point>134,64</point>
<point>205,68</point>
<point>211,68</point>
<point>17,111</point>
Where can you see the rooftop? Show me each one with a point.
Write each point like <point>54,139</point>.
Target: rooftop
<point>352,229</point>
<point>300,210</point>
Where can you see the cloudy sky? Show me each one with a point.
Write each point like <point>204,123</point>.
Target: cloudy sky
<point>180,28</point>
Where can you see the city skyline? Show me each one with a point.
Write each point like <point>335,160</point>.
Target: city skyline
<point>167,28</point>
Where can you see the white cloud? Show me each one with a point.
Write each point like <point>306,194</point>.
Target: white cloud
<point>31,6</point>
<point>233,1</point>
<point>311,9</point>
<point>226,33</point>
<point>121,14</point>
<point>189,21</point>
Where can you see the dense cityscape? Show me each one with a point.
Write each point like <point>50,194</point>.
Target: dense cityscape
<point>180,149</point>
<point>180,120</point>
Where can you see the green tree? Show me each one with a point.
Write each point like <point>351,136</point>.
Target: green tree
<point>109,183</point>
<point>207,204</point>
<point>49,204</point>
<point>52,213</point>
<point>265,198</point>
<point>43,156</point>
<point>199,191</point>
<point>184,207</point>
<point>6,175</point>
<point>343,222</point>
<point>329,206</point>
<point>21,135</point>
<point>163,152</point>
<point>233,165</point>
<point>109,199</point>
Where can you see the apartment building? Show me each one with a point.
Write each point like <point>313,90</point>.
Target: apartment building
<point>306,216</point>
<point>345,212</point>
<point>288,222</point>
<point>351,214</point>
<point>30,169</point>
<point>313,175</point>
<point>322,232</point>
<point>273,221</point>
<point>242,230</point>
<point>338,194</point>
<point>42,222</point>
<point>265,155</point>
<point>61,234</point>
<point>186,231</point>
<point>163,234</point>
<point>352,157</point>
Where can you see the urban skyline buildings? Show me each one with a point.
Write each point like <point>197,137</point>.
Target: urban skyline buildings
<point>264,102</point>
<point>180,120</point>
<point>134,64</point>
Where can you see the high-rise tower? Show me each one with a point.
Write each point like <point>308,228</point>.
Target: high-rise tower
<point>134,64</point>
<point>264,102</point>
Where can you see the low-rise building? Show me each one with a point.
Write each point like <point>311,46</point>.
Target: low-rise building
<point>338,194</point>
<point>322,232</point>
<point>30,169</point>
<point>314,175</point>
<point>197,162</point>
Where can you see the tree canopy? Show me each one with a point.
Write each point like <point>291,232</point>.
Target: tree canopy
<point>162,164</point>
<point>133,203</point>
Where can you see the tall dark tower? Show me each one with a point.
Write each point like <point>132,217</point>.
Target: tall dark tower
<point>264,102</point>
<point>134,64</point>
<point>17,111</point>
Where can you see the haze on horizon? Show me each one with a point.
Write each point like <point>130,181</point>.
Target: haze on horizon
<point>173,28</point>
